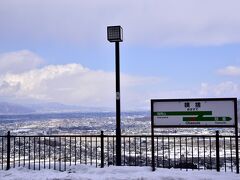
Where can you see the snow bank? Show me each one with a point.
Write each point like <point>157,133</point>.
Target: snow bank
<point>84,172</point>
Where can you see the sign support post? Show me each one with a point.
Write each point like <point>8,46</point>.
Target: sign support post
<point>217,152</point>
<point>236,141</point>
<point>152,140</point>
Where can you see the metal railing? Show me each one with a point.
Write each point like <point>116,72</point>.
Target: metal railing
<point>171,151</point>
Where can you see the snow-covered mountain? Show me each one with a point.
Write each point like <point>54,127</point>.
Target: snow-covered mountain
<point>12,108</point>
<point>52,107</point>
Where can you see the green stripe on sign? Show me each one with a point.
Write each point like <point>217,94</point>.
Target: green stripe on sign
<point>207,118</point>
<point>182,113</point>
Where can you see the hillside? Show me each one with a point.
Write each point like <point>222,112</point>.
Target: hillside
<point>42,108</point>
<point>10,108</point>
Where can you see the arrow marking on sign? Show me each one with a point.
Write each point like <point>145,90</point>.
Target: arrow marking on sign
<point>207,118</point>
<point>182,113</point>
<point>199,115</point>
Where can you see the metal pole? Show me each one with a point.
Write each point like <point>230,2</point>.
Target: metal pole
<point>152,139</point>
<point>118,111</point>
<point>102,149</point>
<point>8,150</point>
<point>236,137</point>
<point>237,152</point>
<point>217,152</point>
<point>153,151</point>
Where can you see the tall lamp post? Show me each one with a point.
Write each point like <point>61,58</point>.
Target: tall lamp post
<point>115,34</point>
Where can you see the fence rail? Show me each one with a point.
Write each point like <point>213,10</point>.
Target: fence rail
<point>171,151</point>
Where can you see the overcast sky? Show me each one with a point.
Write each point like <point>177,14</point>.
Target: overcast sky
<point>57,51</point>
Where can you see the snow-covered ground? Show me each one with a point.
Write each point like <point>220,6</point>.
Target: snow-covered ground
<point>85,172</point>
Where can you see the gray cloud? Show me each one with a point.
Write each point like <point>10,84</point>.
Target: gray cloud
<point>153,22</point>
<point>73,84</point>
<point>229,71</point>
<point>223,89</point>
<point>19,61</point>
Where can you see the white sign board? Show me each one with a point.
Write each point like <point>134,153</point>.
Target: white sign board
<point>194,112</point>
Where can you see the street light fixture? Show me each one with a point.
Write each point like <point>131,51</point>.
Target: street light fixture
<point>115,34</point>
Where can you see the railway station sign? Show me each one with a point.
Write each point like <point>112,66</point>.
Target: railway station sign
<point>208,112</point>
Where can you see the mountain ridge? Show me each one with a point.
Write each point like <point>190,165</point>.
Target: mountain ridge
<point>7,108</point>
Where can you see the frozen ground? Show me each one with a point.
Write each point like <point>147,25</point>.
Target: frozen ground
<point>84,172</point>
